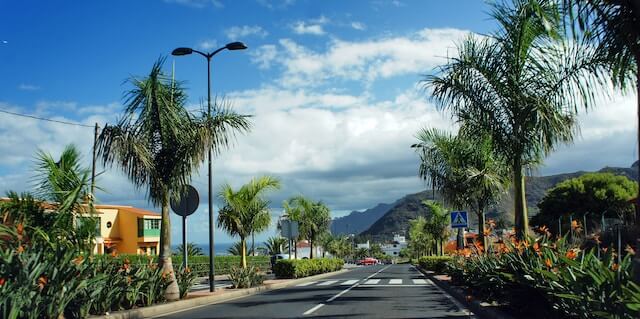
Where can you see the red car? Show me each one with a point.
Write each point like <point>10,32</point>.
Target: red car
<point>368,261</point>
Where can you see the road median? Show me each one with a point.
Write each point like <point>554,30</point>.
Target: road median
<point>199,298</point>
<point>480,309</point>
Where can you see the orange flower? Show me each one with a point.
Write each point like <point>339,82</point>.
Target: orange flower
<point>491,223</point>
<point>547,262</point>
<point>544,230</point>
<point>78,260</point>
<point>596,238</point>
<point>114,254</point>
<point>478,246</point>
<point>571,254</point>
<point>575,225</point>
<point>2,281</point>
<point>466,252</point>
<point>615,267</point>
<point>536,248</point>
<point>526,244</point>
<point>20,249</point>
<point>42,281</point>
<point>20,229</point>
<point>487,232</point>
<point>630,250</point>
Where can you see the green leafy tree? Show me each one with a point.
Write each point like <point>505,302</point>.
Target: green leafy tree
<point>192,250</point>
<point>522,85</point>
<point>376,251</point>
<point>246,211</point>
<point>594,193</point>
<point>158,144</point>
<point>276,245</point>
<point>313,217</point>
<point>420,241</point>
<point>360,253</point>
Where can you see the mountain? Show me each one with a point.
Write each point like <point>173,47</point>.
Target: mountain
<point>356,221</point>
<point>396,220</point>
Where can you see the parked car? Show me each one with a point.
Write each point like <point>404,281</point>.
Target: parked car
<point>368,261</point>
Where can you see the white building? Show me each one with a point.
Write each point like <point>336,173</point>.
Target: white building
<point>393,249</point>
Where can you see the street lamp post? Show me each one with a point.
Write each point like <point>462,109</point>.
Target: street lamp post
<point>186,51</point>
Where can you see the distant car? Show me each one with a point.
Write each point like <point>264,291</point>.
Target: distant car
<point>368,261</point>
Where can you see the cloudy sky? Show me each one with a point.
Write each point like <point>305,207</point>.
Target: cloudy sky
<point>333,87</point>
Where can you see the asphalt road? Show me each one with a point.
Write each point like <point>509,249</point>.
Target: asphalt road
<point>383,291</point>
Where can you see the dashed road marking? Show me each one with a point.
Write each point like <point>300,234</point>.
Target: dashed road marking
<point>419,281</point>
<point>327,283</point>
<point>395,281</point>
<point>306,284</point>
<point>349,282</point>
<point>372,281</point>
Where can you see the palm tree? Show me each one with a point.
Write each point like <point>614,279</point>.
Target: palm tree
<point>314,218</point>
<point>236,249</point>
<point>245,211</point>
<point>192,250</point>
<point>522,86</point>
<point>276,245</point>
<point>614,28</point>
<point>419,239</point>
<point>159,144</point>
<point>437,225</point>
<point>464,169</point>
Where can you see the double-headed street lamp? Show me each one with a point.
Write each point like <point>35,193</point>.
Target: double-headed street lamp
<point>187,51</point>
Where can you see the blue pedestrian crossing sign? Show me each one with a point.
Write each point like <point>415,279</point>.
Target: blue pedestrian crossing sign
<point>459,220</point>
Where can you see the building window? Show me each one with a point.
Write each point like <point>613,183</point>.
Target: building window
<point>148,227</point>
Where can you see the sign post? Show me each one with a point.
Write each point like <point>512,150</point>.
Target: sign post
<point>289,230</point>
<point>187,205</point>
<point>459,220</point>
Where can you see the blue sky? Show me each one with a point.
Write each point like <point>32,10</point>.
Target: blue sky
<point>333,86</point>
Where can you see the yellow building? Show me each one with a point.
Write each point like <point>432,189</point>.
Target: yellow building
<point>127,230</point>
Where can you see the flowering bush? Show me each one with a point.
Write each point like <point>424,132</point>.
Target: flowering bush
<point>552,277</point>
<point>185,278</point>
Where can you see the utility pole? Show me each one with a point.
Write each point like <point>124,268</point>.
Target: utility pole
<point>93,162</point>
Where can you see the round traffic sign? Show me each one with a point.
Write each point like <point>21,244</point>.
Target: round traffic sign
<point>188,203</point>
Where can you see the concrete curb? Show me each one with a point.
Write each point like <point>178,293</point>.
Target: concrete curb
<point>475,306</point>
<point>185,304</point>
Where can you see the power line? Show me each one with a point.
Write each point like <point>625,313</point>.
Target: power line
<point>45,119</point>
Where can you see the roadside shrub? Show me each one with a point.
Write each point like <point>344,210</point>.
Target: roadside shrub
<point>245,277</point>
<point>286,268</point>
<point>199,265</point>
<point>185,278</point>
<point>436,264</point>
<point>551,279</point>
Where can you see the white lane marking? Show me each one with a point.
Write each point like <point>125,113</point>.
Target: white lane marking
<point>419,281</point>
<point>349,282</point>
<point>395,281</point>
<point>320,305</point>
<point>306,284</point>
<point>327,283</point>
<point>458,304</point>
<point>395,285</point>
<point>310,311</point>
<point>372,281</point>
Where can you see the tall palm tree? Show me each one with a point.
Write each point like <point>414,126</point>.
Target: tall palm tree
<point>522,86</point>
<point>437,225</point>
<point>465,169</point>
<point>159,144</point>
<point>246,211</point>
<point>419,240</point>
<point>314,218</point>
<point>614,28</point>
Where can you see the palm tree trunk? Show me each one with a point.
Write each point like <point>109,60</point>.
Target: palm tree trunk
<point>164,261</point>
<point>253,242</point>
<point>636,259</point>
<point>310,249</point>
<point>521,216</point>
<point>481,225</point>
<point>243,253</point>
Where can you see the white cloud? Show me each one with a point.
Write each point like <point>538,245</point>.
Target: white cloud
<point>302,27</point>
<point>208,44</point>
<point>28,87</point>
<point>369,60</point>
<point>264,56</point>
<point>358,26</point>
<point>276,4</point>
<point>239,32</point>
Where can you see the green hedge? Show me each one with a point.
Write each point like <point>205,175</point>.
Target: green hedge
<point>200,264</point>
<point>306,267</point>
<point>436,264</point>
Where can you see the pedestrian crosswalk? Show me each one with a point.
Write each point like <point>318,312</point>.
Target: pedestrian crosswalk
<point>366,282</point>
